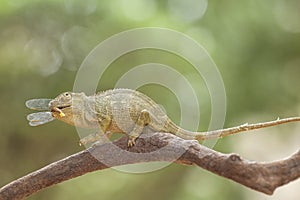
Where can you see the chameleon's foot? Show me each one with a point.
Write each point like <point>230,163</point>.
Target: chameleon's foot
<point>142,121</point>
<point>82,142</point>
<point>131,141</point>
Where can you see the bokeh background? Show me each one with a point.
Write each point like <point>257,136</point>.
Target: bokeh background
<point>255,44</point>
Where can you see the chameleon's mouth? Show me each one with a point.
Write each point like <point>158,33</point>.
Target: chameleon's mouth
<point>59,110</point>
<point>62,107</point>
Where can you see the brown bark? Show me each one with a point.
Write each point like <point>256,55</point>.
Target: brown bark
<point>260,176</point>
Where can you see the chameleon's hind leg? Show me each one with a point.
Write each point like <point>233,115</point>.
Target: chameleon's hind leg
<point>142,121</point>
<point>101,136</point>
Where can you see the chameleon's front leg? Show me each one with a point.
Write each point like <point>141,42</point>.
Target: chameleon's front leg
<point>142,121</point>
<point>104,124</point>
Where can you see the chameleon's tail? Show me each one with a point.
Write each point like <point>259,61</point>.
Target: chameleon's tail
<point>189,135</point>
<point>171,127</point>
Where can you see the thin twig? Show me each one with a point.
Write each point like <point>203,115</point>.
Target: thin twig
<point>244,127</point>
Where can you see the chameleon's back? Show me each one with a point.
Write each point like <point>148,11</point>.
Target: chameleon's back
<point>124,107</point>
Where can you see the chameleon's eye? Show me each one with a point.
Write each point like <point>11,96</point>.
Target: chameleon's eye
<point>67,94</point>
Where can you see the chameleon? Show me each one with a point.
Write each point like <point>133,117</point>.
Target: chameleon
<point>112,111</point>
<point>122,111</point>
<point>117,110</point>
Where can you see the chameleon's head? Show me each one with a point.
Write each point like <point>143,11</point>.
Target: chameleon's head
<point>67,105</point>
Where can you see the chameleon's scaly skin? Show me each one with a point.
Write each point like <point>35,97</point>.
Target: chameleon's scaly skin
<point>118,110</point>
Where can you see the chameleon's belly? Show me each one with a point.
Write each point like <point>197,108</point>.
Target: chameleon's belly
<point>117,127</point>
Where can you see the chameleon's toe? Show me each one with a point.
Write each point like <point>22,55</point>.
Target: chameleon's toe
<point>131,141</point>
<point>82,142</point>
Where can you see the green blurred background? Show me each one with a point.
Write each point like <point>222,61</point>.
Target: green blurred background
<point>255,44</point>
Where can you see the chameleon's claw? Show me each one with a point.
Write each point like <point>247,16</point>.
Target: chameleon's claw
<point>82,142</point>
<point>131,141</point>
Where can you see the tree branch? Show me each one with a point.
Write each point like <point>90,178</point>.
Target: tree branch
<point>260,176</point>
